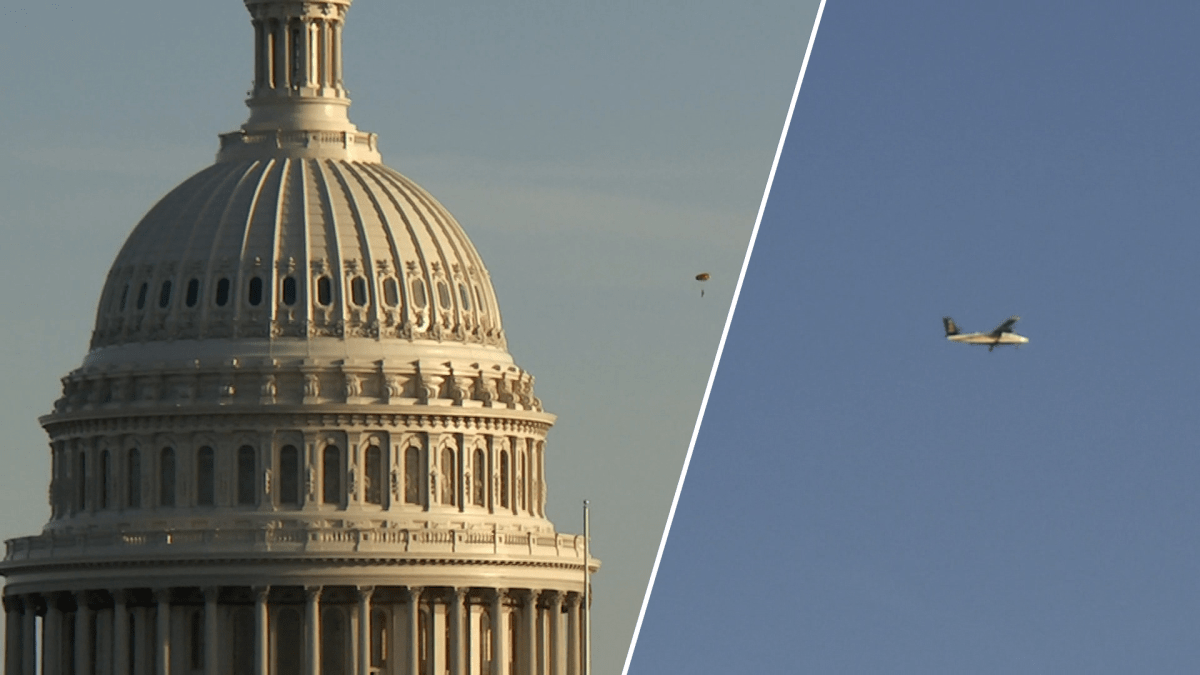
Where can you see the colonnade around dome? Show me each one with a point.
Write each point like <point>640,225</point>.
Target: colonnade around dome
<point>295,630</point>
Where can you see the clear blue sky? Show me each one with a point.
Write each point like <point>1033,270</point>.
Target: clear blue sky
<point>599,155</point>
<point>866,497</point>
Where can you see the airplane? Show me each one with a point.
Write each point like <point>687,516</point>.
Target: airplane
<point>1003,334</point>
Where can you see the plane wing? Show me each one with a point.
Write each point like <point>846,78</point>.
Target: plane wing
<point>1006,327</point>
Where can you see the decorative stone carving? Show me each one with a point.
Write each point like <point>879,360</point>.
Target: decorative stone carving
<point>268,390</point>
<point>428,386</point>
<point>458,388</point>
<point>267,482</point>
<point>485,390</point>
<point>352,482</point>
<point>352,386</point>
<point>312,387</point>
<point>393,388</point>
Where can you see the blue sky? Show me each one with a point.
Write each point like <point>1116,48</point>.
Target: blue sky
<point>599,155</point>
<point>865,497</point>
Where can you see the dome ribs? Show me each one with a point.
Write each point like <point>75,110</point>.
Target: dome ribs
<point>330,319</point>
<point>364,320</point>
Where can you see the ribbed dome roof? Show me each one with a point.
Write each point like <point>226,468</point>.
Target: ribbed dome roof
<point>298,248</point>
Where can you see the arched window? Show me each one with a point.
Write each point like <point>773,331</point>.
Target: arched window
<point>332,475</point>
<point>205,475</point>
<point>503,479</point>
<point>333,642</point>
<point>222,292</point>
<point>134,479</point>
<point>124,298</point>
<point>255,292</point>
<point>104,477</point>
<point>412,476</point>
<point>465,295</point>
<point>478,478</point>
<point>443,294</point>
<point>193,293</point>
<point>379,639</point>
<point>166,477</point>
<point>81,482</point>
<point>288,638</point>
<point>289,291</point>
<point>358,291</point>
<point>245,476</point>
<point>449,476</point>
<point>164,295</point>
<point>141,299</point>
<point>289,476</point>
<point>419,299</point>
<point>524,480</point>
<point>324,292</point>
<point>374,475</point>
<point>391,292</point>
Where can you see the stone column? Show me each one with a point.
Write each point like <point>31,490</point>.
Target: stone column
<point>529,612</point>
<point>13,606</point>
<point>364,629</point>
<point>414,630</point>
<point>52,638</point>
<point>211,595</point>
<point>83,635</point>
<point>162,633</point>
<point>312,624</point>
<point>29,664</point>
<point>573,661</point>
<point>499,653</point>
<point>120,634</point>
<point>558,654</point>
<point>458,655</point>
<point>262,631</point>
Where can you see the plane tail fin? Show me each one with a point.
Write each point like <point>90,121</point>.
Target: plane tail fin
<point>951,329</point>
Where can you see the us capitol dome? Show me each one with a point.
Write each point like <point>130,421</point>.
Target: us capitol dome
<point>298,443</point>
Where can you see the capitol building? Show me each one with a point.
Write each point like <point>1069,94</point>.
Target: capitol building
<point>298,444</point>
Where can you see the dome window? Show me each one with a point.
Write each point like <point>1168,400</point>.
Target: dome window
<point>205,477</point>
<point>443,295</point>
<point>358,291</point>
<point>465,295</point>
<point>374,482</point>
<point>324,292</point>
<point>164,295</point>
<point>289,291</point>
<point>332,475</point>
<point>222,292</point>
<point>289,476</point>
<point>193,293</point>
<point>419,298</point>
<point>134,479</point>
<point>391,292</point>
<point>245,476</point>
<point>255,296</point>
<point>124,298</point>
<point>412,476</point>
<point>166,477</point>
<point>141,301</point>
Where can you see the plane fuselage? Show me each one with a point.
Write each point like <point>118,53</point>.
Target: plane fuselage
<point>989,338</point>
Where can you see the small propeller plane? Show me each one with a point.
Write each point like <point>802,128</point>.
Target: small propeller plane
<point>1003,334</point>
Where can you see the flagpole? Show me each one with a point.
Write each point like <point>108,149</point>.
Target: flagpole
<point>587,591</point>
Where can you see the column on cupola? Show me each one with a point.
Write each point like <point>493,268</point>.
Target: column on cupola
<point>312,625</point>
<point>500,644</point>
<point>558,652</point>
<point>211,595</point>
<point>162,635</point>
<point>364,629</point>
<point>52,637</point>
<point>29,651</point>
<point>13,608</point>
<point>458,636</point>
<point>529,614</point>
<point>262,636</point>
<point>83,634</point>
<point>573,634</point>
<point>120,631</point>
<point>414,630</point>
